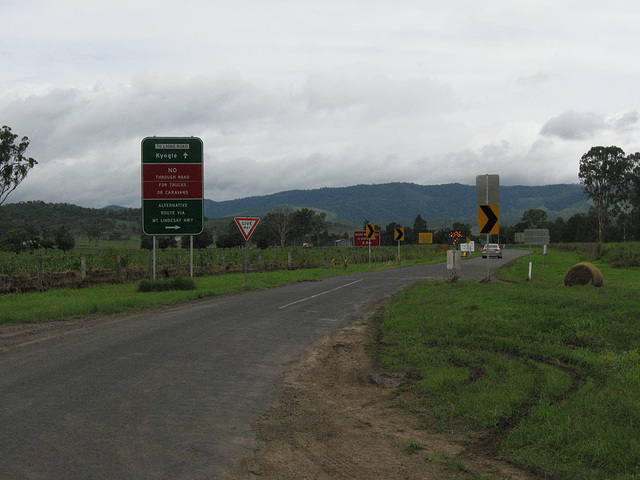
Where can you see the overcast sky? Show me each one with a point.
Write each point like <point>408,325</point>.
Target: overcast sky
<point>307,94</point>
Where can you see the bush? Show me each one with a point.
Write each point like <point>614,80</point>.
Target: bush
<point>167,284</point>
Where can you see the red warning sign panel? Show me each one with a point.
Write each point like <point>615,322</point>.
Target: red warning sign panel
<point>360,239</point>
<point>172,181</point>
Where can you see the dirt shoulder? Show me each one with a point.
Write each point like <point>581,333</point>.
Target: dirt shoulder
<point>338,416</point>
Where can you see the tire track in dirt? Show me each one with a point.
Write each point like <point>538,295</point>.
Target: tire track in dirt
<point>339,416</point>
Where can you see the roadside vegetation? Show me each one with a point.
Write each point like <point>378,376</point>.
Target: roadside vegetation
<point>58,304</point>
<point>549,374</point>
<point>130,255</point>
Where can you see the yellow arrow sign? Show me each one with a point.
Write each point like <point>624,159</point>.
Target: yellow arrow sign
<point>371,230</point>
<point>488,223</point>
<point>398,235</point>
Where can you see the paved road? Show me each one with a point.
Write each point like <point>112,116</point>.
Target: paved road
<point>170,394</point>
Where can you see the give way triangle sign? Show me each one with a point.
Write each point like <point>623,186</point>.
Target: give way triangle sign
<point>247,225</point>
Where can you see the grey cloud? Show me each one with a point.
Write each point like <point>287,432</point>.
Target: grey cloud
<point>535,79</point>
<point>372,95</point>
<point>581,126</point>
<point>625,122</point>
<point>574,125</point>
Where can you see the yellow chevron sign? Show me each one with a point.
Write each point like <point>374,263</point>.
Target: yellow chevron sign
<point>488,223</point>
<point>371,230</point>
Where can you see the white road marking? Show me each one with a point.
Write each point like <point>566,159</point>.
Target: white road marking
<point>318,294</point>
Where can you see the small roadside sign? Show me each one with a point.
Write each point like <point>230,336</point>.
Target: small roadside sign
<point>247,225</point>
<point>536,236</point>
<point>425,237</point>
<point>467,247</point>
<point>398,234</point>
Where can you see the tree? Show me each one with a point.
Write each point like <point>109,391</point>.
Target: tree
<point>279,224</point>
<point>64,240</point>
<point>634,196</point>
<point>233,238</point>
<point>146,242</point>
<point>302,224</point>
<point>165,242</point>
<point>94,232</point>
<point>605,173</point>
<point>14,166</point>
<point>419,226</point>
<point>534,218</point>
<point>16,240</point>
<point>387,236</point>
<point>230,240</point>
<point>200,242</point>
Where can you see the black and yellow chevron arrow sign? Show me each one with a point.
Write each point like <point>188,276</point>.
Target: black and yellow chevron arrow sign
<point>398,234</point>
<point>488,219</point>
<point>371,230</point>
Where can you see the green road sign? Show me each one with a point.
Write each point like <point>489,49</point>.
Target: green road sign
<point>172,186</point>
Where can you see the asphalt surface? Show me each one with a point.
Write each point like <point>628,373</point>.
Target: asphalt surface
<point>170,394</point>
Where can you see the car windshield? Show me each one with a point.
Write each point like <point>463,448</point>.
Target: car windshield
<point>492,245</point>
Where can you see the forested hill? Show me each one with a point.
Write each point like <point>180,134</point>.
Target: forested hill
<point>440,205</point>
<point>40,216</point>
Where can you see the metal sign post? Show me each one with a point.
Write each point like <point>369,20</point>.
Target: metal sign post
<point>488,191</point>
<point>399,236</point>
<point>371,233</point>
<point>246,225</point>
<point>154,257</point>
<point>246,268</point>
<point>191,255</point>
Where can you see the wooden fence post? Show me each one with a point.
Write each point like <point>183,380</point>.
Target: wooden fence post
<point>40,273</point>
<point>118,268</point>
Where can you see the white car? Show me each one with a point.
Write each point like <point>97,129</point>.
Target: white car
<point>492,250</point>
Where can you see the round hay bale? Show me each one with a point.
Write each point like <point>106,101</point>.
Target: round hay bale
<point>584,273</point>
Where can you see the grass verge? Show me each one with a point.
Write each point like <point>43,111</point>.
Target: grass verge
<point>60,304</point>
<point>550,373</point>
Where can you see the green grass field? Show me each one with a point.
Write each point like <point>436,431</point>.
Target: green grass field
<point>550,373</point>
<point>58,304</point>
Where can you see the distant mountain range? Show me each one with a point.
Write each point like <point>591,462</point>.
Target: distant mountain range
<point>439,205</point>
